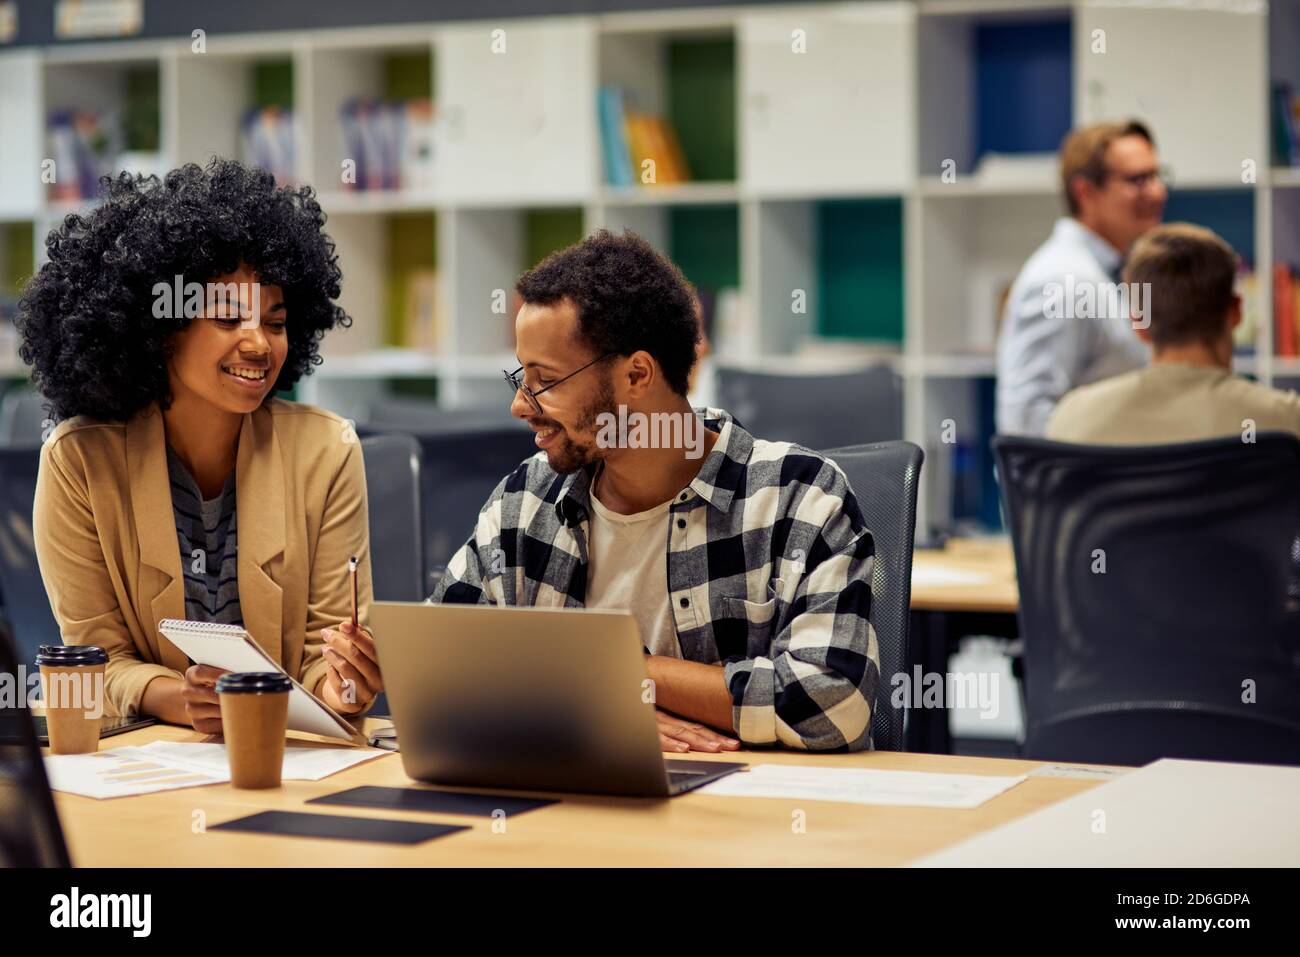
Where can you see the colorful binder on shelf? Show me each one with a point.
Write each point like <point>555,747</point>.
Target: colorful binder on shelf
<point>1284,310</point>
<point>613,137</point>
<point>629,138</point>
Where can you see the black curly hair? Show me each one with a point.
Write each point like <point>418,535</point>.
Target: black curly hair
<point>629,297</point>
<point>86,319</point>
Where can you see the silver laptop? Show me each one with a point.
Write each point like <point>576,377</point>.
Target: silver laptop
<point>528,698</point>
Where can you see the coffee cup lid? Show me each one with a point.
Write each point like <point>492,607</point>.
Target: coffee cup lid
<point>253,682</point>
<point>70,656</point>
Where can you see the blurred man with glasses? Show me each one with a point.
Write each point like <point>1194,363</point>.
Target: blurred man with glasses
<point>1115,192</point>
<point>746,563</point>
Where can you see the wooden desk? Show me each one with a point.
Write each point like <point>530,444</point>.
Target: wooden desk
<point>694,829</point>
<point>937,577</point>
<point>967,587</point>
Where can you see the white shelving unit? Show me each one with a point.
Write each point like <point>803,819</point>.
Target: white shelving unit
<point>883,95</point>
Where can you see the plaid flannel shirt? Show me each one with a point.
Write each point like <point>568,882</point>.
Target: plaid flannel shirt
<point>769,574</point>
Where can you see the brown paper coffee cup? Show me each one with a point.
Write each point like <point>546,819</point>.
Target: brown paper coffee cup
<point>254,719</point>
<point>72,686</point>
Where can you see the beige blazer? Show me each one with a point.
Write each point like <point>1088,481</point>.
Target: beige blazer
<point>108,551</point>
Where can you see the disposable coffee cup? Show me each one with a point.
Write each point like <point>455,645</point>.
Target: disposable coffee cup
<point>254,719</point>
<point>72,686</point>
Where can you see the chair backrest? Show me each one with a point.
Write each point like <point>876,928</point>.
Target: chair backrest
<point>396,531</point>
<point>884,477</point>
<point>425,416</point>
<point>22,416</point>
<point>459,470</point>
<point>1157,597</point>
<point>816,410</point>
<point>30,835</point>
<point>21,589</point>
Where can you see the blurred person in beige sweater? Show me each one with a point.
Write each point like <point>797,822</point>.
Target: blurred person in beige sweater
<point>1188,392</point>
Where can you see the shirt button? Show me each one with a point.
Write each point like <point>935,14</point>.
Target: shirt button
<point>683,498</point>
<point>681,523</point>
<point>686,603</point>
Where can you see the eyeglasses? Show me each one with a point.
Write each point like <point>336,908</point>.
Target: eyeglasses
<point>517,384</point>
<point>1144,179</point>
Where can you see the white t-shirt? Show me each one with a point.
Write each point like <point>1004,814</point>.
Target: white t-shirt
<point>628,571</point>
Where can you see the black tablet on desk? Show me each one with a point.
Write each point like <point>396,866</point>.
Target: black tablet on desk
<point>108,728</point>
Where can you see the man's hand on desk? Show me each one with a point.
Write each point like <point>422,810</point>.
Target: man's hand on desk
<point>353,679</point>
<point>697,691</point>
<point>679,734</point>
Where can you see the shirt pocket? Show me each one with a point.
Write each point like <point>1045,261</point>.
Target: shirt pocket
<point>759,618</point>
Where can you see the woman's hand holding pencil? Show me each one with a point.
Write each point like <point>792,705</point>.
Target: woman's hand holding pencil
<point>353,679</point>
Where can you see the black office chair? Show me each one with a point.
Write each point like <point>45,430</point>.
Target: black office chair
<point>23,416</point>
<point>459,470</point>
<point>396,529</point>
<point>422,416</point>
<point>30,835</point>
<point>1157,600</point>
<point>816,410</point>
<point>884,477</point>
<point>23,591</point>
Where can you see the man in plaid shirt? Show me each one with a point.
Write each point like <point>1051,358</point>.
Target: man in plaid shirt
<point>746,563</point>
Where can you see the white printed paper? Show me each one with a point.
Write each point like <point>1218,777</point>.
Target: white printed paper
<point>861,786</point>
<point>169,765</point>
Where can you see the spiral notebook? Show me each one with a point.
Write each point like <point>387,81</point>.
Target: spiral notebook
<point>232,648</point>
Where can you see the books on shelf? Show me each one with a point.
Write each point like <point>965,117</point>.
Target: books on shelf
<point>1286,310</point>
<point>425,325</point>
<point>1286,125</point>
<point>639,148</point>
<point>391,144</point>
<point>734,333</point>
<point>85,145</point>
<point>81,144</point>
<point>266,140</point>
<point>613,141</point>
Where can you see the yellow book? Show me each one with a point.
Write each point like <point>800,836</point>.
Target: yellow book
<point>636,147</point>
<point>673,147</point>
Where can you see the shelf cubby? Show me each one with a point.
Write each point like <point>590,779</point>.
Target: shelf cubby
<point>993,81</point>
<point>977,244</point>
<point>123,94</point>
<point>341,73</point>
<point>686,75</point>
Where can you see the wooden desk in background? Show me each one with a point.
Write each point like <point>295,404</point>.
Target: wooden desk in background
<point>967,574</point>
<point>693,829</point>
<point>968,587</point>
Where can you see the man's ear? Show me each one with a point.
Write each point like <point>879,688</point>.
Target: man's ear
<point>642,373</point>
<point>1234,313</point>
<point>1081,189</point>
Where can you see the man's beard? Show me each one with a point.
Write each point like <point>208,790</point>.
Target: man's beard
<point>568,456</point>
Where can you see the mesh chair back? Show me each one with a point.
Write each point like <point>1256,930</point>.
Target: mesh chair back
<point>393,497</point>
<point>458,471</point>
<point>1157,597</point>
<point>421,416</point>
<point>818,411</point>
<point>21,588</point>
<point>22,417</point>
<point>884,477</point>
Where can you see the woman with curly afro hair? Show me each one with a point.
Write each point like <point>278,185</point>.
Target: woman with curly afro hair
<point>176,485</point>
